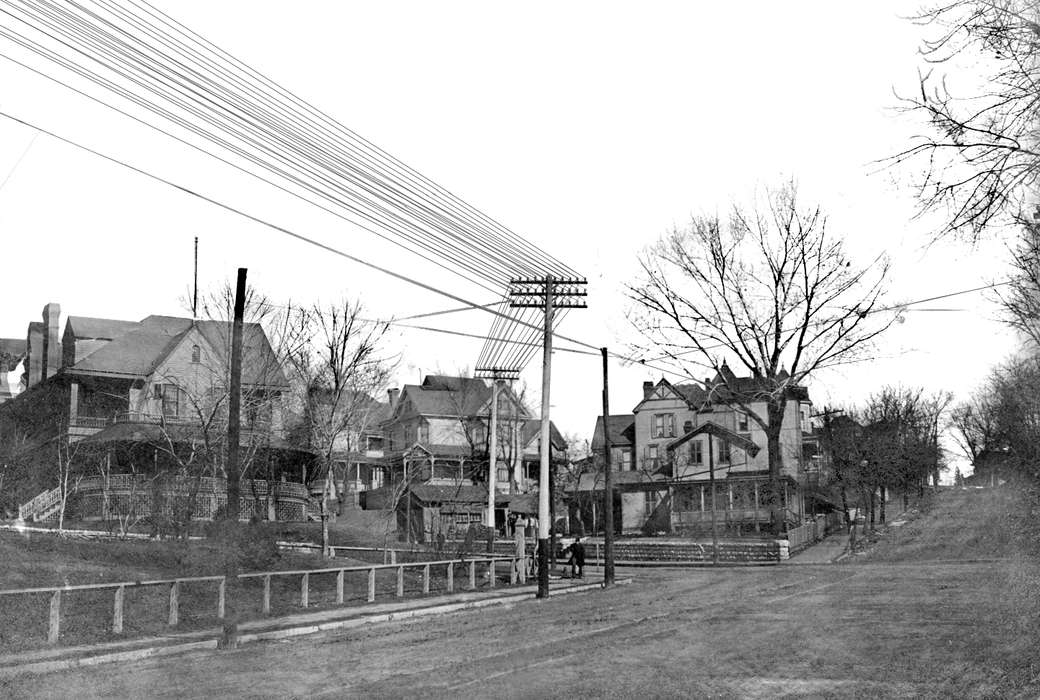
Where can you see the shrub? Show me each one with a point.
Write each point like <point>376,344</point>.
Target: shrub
<point>245,546</point>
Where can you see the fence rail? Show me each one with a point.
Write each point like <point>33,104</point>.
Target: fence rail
<point>517,573</point>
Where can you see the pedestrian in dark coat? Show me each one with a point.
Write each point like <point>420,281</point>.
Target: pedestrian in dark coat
<point>577,561</point>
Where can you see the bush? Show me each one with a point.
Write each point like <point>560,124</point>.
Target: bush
<point>245,546</point>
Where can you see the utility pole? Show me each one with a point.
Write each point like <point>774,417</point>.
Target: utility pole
<point>714,523</point>
<point>235,400</point>
<point>496,374</point>
<point>195,292</point>
<point>608,484</point>
<point>229,635</point>
<point>548,293</point>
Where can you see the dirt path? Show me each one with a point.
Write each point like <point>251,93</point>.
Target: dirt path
<point>897,628</point>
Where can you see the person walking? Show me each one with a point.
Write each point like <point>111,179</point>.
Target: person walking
<point>577,560</point>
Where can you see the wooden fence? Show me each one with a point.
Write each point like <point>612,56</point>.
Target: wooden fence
<point>813,531</point>
<point>517,573</point>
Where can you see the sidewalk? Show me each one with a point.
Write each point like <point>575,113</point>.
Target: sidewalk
<point>60,658</point>
<point>823,552</point>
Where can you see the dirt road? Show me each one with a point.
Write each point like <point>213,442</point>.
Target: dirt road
<point>888,628</point>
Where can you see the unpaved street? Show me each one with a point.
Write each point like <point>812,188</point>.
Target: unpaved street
<point>924,628</point>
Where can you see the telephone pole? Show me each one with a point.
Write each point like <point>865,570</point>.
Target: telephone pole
<point>549,293</point>
<point>608,484</point>
<point>235,399</point>
<point>496,375</point>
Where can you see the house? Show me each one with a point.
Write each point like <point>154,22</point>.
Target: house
<point>437,436</point>
<point>138,400</point>
<point>676,436</point>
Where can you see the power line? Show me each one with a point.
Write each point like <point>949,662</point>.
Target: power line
<point>240,116</point>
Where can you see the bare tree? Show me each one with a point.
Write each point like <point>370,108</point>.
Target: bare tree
<point>340,368</point>
<point>68,471</point>
<point>770,289</point>
<point>1021,298</point>
<point>980,159</point>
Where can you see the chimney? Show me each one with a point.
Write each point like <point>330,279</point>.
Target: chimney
<point>648,388</point>
<point>51,341</point>
<point>33,354</point>
<point>391,395</point>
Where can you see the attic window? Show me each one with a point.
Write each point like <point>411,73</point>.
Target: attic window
<point>196,354</point>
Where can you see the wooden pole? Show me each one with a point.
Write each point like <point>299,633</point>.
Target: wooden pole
<point>608,484</point>
<point>714,524</point>
<point>543,471</point>
<point>235,399</point>
<point>492,455</point>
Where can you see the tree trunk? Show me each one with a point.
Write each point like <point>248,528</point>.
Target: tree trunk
<point>883,497</point>
<point>845,507</point>
<point>873,502</point>
<point>775,413</point>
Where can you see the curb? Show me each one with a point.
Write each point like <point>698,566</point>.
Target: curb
<point>156,650</point>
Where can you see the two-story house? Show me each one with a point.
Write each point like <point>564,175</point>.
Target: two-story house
<point>139,399</point>
<point>435,449</point>
<point>660,456</point>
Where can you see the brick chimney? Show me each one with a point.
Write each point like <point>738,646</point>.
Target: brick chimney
<point>648,388</point>
<point>391,395</point>
<point>51,341</point>
<point>33,354</point>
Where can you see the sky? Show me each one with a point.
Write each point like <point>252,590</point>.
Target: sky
<point>590,128</point>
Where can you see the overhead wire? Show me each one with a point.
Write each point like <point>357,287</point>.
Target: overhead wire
<point>377,219</point>
<point>163,74</point>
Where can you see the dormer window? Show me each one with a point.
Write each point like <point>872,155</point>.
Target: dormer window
<point>196,354</point>
<point>742,422</point>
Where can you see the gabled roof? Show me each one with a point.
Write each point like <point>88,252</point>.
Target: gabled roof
<point>622,431</point>
<point>727,386</point>
<point>710,428</point>
<point>532,428</point>
<point>446,396</point>
<point>139,351</point>
<point>98,328</point>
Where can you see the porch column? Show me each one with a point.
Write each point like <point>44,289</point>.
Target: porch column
<point>730,486</point>
<point>73,402</point>
<point>756,507</point>
<point>700,488</point>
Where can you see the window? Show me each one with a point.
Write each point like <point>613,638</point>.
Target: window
<point>196,354</point>
<point>742,422</point>
<point>424,433</point>
<point>169,396</point>
<point>651,455</point>
<point>723,452</point>
<point>664,425</point>
<point>626,460</point>
<point>696,452</point>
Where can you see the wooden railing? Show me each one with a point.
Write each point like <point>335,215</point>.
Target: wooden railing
<point>39,504</point>
<point>517,573</point>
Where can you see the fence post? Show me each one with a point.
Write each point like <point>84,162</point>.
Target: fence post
<point>54,628</point>
<point>221,598</point>
<point>400,582</point>
<point>523,568</point>
<point>426,579</point>
<point>472,574</point>
<point>117,611</point>
<point>175,596</point>
<point>339,587</point>
<point>305,590</point>
<point>393,556</point>
<point>372,585</point>
<point>266,605</point>
<point>514,564</point>
<point>491,573</point>
<point>451,577</point>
